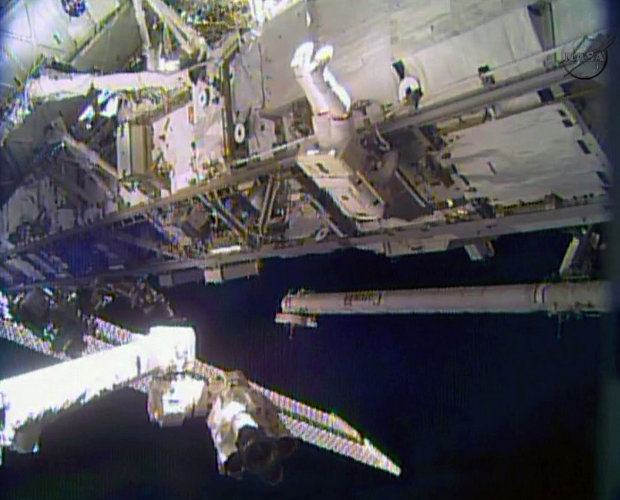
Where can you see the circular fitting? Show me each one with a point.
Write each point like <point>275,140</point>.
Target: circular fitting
<point>239,133</point>
<point>408,87</point>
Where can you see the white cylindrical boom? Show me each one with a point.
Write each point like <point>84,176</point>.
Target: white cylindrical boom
<point>591,296</point>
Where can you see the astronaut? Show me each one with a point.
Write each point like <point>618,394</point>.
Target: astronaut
<point>329,101</point>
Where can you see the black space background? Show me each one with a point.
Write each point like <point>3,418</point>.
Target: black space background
<point>493,406</point>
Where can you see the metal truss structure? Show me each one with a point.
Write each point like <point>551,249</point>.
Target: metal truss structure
<point>193,149</point>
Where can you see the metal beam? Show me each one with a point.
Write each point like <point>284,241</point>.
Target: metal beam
<point>145,244</point>
<point>227,115</point>
<point>82,151</point>
<point>267,205</point>
<point>212,202</point>
<point>426,116</point>
<point>554,298</point>
<point>144,34</point>
<point>416,235</point>
<point>476,100</point>
<point>73,190</point>
<point>189,40</point>
<point>250,171</point>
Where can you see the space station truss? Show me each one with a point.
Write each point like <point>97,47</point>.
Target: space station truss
<point>311,425</point>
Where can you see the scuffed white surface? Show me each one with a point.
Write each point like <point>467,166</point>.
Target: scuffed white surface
<point>534,155</point>
<point>265,10</point>
<point>64,86</point>
<point>336,177</point>
<point>338,89</point>
<point>208,130</point>
<point>442,42</point>
<point>575,18</point>
<point>376,33</point>
<point>172,135</point>
<point>44,27</point>
<point>451,66</point>
<point>190,138</point>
